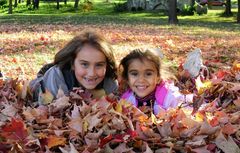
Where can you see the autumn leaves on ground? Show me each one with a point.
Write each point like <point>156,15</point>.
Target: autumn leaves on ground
<point>77,123</point>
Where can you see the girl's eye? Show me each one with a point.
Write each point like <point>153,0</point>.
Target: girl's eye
<point>84,65</point>
<point>133,73</point>
<point>100,65</point>
<point>149,73</point>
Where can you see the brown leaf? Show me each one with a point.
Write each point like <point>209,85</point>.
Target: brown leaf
<point>165,129</point>
<point>118,123</point>
<point>9,110</point>
<point>71,150</point>
<point>226,145</point>
<point>195,144</point>
<point>122,147</point>
<point>237,102</point>
<point>200,150</point>
<point>208,129</point>
<point>60,104</point>
<point>93,120</point>
<point>75,112</point>
<point>76,124</point>
<point>149,132</point>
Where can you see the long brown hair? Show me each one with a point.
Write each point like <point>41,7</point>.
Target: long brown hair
<point>66,56</point>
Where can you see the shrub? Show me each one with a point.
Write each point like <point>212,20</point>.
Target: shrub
<point>3,2</point>
<point>120,7</point>
<point>187,10</point>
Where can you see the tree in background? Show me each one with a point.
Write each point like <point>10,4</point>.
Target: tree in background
<point>58,5</point>
<point>228,11</point>
<point>10,7</point>
<point>76,4</point>
<point>172,12</point>
<point>15,3</point>
<point>238,13</point>
<point>35,4</point>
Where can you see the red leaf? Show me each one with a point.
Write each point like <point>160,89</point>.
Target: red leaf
<point>105,140</point>
<point>221,74</point>
<point>132,133</point>
<point>15,130</point>
<point>211,147</point>
<point>214,122</point>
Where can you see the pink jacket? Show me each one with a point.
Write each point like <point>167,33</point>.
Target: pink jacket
<point>165,97</point>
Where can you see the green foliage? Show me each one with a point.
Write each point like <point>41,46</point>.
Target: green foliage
<point>3,2</point>
<point>187,10</point>
<point>120,7</point>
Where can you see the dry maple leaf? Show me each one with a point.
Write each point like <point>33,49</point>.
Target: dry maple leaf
<point>15,131</point>
<point>53,141</point>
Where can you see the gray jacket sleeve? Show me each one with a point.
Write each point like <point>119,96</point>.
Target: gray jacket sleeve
<point>110,86</point>
<point>53,80</point>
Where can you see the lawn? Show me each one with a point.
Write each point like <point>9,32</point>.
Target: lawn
<point>30,38</point>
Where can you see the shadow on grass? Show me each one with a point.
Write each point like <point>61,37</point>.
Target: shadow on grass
<point>117,19</point>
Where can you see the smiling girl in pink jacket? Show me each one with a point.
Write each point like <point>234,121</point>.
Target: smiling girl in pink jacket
<point>141,71</point>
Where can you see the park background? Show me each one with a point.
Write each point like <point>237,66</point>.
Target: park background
<point>31,33</point>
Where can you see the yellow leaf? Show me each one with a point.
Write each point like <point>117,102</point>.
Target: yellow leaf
<point>202,86</point>
<point>119,107</point>
<point>200,117</point>
<point>85,126</point>
<point>154,119</point>
<point>55,141</point>
<point>122,103</point>
<point>236,66</point>
<point>46,98</point>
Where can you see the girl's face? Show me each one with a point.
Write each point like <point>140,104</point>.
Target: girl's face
<point>142,77</point>
<point>90,67</point>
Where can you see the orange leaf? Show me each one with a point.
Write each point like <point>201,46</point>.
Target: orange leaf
<point>229,129</point>
<point>55,141</point>
<point>214,122</point>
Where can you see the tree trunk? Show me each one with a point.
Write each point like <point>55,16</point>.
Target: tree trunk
<point>192,3</point>
<point>228,11</point>
<point>65,2</point>
<point>58,5</point>
<point>238,13</point>
<point>76,4</point>
<point>15,3</point>
<point>28,2</point>
<point>172,12</point>
<point>35,4</point>
<point>10,7</point>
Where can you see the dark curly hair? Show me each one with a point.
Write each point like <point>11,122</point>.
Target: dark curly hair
<point>141,54</point>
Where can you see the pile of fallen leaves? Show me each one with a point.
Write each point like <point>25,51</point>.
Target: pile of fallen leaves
<point>78,123</point>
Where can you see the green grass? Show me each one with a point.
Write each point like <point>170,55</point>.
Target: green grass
<point>102,13</point>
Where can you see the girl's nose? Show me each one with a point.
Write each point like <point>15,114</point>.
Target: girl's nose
<point>141,78</point>
<point>91,71</point>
